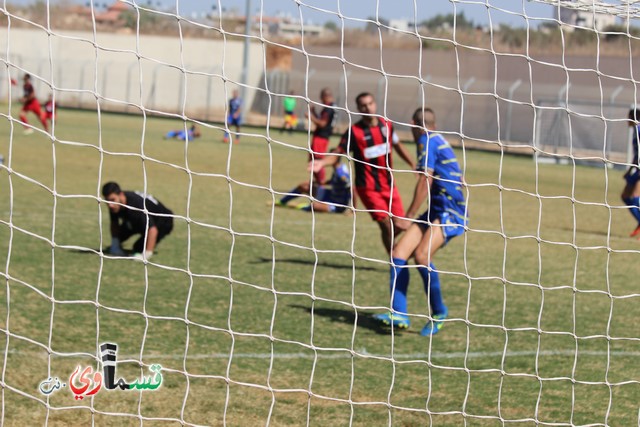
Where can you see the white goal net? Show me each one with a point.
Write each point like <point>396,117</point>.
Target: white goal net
<point>245,300</point>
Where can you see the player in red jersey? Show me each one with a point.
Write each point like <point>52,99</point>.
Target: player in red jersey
<point>370,140</point>
<point>30,103</point>
<point>50,109</point>
<point>322,132</point>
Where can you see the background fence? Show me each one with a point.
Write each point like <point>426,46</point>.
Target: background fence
<point>528,104</point>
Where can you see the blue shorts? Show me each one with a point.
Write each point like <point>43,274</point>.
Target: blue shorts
<point>234,121</point>
<point>633,176</point>
<point>452,220</point>
<point>337,204</point>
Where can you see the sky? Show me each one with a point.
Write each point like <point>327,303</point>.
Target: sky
<point>320,11</point>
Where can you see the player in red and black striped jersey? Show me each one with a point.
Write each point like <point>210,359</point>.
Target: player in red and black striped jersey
<point>322,132</point>
<point>371,141</point>
<point>31,103</point>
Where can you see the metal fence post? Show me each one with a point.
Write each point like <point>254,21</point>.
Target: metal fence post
<point>607,137</point>
<point>512,89</point>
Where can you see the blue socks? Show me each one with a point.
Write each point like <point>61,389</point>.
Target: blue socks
<point>634,203</point>
<point>431,282</point>
<point>289,197</point>
<point>398,285</point>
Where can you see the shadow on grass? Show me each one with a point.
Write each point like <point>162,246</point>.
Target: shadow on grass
<point>126,252</point>
<point>320,264</point>
<point>602,232</point>
<point>348,317</point>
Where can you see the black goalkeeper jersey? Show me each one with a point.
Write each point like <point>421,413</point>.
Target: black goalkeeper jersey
<point>136,220</point>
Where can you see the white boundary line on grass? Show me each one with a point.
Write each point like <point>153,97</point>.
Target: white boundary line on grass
<point>407,356</point>
<point>346,354</point>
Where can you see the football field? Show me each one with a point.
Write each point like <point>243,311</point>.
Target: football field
<point>262,315</point>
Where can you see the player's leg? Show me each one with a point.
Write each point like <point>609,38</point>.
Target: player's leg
<point>300,189</point>
<point>631,196</point>
<point>319,147</point>
<point>287,119</point>
<point>23,115</point>
<point>124,234</point>
<point>165,226</point>
<point>399,279</point>
<point>325,202</point>
<point>238,122</point>
<point>228,125</point>
<point>319,207</point>
<point>24,120</point>
<point>386,233</point>
<point>138,246</point>
<point>446,222</point>
<point>41,115</point>
<point>377,203</point>
<point>432,240</point>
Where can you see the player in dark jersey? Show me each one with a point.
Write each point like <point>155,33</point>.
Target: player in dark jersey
<point>371,141</point>
<point>128,218</point>
<point>441,182</point>
<point>235,116</point>
<point>323,130</point>
<point>30,103</point>
<point>631,193</point>
<point>334,198</point>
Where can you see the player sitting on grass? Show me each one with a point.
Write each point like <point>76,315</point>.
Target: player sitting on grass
<point>335,199</point>
<point>444,219</point>
<point>192,133</point>
<point>631,193</point>
<point>128,218</point>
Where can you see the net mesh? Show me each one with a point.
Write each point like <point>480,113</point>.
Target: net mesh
<point>253,314</point>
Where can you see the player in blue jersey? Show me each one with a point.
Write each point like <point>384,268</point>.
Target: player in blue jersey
<point>631,193</point>
<point>235,116</point>
<point>192,133</point>
<point>334,198</point>
<point>442,183</point>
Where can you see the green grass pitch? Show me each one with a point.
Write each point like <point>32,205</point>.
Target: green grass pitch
<point>261,315</point>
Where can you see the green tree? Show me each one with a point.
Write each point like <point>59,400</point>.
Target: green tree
<point>372,26</point>
<point>439,21</point>
<point>330,26</point>
<point>513,37</point>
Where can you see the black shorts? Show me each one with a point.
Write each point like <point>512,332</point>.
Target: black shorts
<point>164,225</point>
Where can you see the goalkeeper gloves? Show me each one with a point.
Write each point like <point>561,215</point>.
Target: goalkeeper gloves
<point>142,256</point>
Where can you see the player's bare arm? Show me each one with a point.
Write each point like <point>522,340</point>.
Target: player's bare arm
<point>318,164</point>
<point>152,238</point>
<point>420,194</point>
<point>404,154</point>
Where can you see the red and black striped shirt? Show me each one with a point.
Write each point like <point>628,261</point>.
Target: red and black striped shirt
<point>372,153</point>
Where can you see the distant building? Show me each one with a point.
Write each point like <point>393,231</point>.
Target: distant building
<point>294,29</point>
<point>110,15</point>
<point>584,16</point>
<point>402,24</point>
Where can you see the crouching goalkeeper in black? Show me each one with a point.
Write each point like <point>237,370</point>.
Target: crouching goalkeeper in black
<point>134,213</point>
